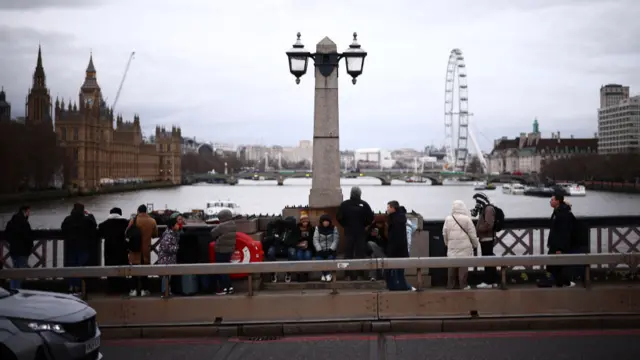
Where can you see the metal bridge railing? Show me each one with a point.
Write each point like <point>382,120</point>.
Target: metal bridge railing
<point>630,259</point>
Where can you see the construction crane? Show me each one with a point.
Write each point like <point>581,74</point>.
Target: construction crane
<point>126,70</point>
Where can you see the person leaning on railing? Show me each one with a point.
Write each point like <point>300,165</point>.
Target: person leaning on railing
<point>168,251</point>
<point>559,239</point>
<point>460,238</point>
<point>225,237</point>
<point>20,238</point>
<point>485,229</point>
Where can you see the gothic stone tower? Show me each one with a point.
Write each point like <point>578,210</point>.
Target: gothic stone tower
<point>169,148</point>
<point>38,104</point>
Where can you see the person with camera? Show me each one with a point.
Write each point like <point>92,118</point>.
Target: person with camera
<point>485,229</point>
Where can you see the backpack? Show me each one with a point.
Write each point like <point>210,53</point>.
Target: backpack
<point>579,233</point>
<point>134,235</point>
<point>498,221</point>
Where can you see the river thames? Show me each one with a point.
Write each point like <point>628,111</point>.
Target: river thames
<point>261,197</point>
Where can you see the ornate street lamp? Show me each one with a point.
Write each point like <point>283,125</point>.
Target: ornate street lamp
<point>326,63</point>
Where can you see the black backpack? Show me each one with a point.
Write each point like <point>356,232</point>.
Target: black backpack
<point>498,221</point>
<point>134,235</point>
<point>579,234</point>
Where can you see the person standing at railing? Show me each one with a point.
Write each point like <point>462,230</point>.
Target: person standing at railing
<point>485,229</point>
<point>355,215</point>
<point>168,251</point>
<point>460,238</point>
<point>112,230</point>
<point>80,233</point>
<point>140,249</point>
<point>325,240</point>
<point>225,237</point>
<point>397,246</point>
<point>559,239</point>
<point>20,239</point>
<point>377,240</point>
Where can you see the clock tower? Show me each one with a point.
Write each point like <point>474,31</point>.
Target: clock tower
<point>90,95</point>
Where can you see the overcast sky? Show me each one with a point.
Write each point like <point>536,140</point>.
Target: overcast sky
<point>219,69</point>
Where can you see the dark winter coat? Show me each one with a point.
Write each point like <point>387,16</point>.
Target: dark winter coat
<point>560,230</point>
<point>354,215</point>
<point>397,245</point>
<point>19,235</point>
<point>112,231</point>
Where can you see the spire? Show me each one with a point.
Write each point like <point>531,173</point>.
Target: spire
<point>3,96</point>
<point>38,74</point>
<point>90,67</point>
<point>39,64</point>
<point>536,127</point>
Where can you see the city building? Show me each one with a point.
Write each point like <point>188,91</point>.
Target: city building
<point>373,158</point>
<point>528,152</point>
<point>5,107</point>
<point>96,152</point>
<point>618,121</point>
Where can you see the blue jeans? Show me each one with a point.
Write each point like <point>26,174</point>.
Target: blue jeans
<point>165,281</point>
<point>276,251</point>
<point>19,262</point>
<point>325,257</point>
<point>396,280</point>
<point>222,281</point>
<point>303,255</point>
<point>77,259</point>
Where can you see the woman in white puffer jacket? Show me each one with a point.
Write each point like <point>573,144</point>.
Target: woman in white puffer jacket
<point>460,238</point>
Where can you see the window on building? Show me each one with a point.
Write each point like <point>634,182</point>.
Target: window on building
<point>75,154</point>
<point>75,134</point>
<point>63,134</point>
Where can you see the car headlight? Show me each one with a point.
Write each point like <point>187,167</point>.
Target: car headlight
<point>38,326</point>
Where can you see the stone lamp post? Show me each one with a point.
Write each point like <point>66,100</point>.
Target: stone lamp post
<point>325,187</point>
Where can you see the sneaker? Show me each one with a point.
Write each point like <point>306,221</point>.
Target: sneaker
<point>412,289</point>
<point>229,291</point>
<point>571,284</point>
<point>221,292</point>
<point>329,277</point>
<point>486,286</point>
<point>274,278</point>
<point>287,278</point>
<point>323,278</point>
<point>133,293</point>
<point>467,288</point>
<point>373,279</point>
<point>144,293</point>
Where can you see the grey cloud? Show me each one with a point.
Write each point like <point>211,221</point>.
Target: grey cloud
<point>44,4</point>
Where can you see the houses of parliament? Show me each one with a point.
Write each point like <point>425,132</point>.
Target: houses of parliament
<point>97,152</point>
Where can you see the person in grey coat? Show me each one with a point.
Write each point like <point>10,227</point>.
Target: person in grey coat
<point>325,241</point>
<point>225,237</point>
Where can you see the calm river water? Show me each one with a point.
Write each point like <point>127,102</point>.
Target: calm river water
<point>433,202</point>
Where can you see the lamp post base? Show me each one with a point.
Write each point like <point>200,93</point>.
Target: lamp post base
<point>324,198</point>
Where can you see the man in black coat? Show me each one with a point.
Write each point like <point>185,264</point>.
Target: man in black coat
<point>20,239</point>
<point>559,240</point>
<point>397,245</point>
<point>80,234</point>
<point>112,231</point>
<point>355,215</point>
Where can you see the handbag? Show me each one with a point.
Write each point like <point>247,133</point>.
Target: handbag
<point>461,227</point>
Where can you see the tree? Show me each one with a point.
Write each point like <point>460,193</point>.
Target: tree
<point>474,166</point>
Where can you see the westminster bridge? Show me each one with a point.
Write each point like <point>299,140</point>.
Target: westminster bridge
<point>436,177</point>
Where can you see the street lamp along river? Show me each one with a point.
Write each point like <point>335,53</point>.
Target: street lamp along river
<point>326,63</point>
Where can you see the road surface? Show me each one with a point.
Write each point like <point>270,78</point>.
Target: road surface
<point>569,345</point>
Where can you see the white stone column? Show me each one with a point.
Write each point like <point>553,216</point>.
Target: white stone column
<point>325,185</point>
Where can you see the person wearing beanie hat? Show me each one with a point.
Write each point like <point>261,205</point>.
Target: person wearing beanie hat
<point>355,215</point>
<point>304,249</point>
<point>112,230</point>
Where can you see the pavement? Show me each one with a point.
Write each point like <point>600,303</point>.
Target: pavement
<point>569,345</point>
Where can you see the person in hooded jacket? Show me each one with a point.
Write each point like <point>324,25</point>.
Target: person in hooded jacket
<point>397,246</point>
<point>325,241</point>
<point>80,233</point>
<point>115,246</point>
<point>20,238</point>
<point>355,215</point>
<point>225,237</point>
<point>460,238</point>
<point>284,243</point>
